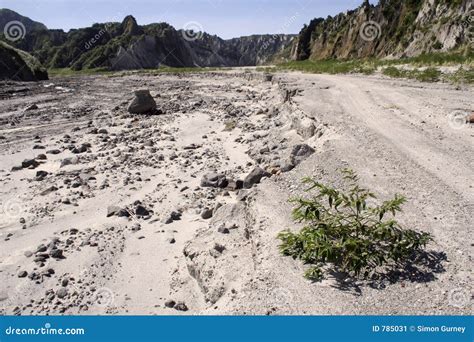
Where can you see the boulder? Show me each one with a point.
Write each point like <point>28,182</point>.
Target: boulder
<point>254,177</point>
<point>143,102</point>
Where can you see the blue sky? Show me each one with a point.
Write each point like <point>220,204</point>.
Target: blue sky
<point>226,18</point>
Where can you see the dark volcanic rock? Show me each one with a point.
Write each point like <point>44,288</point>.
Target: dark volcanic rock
<point>214,180</point>
<point>255,176</point>
<point>181,306</point>
<point>143,103</point>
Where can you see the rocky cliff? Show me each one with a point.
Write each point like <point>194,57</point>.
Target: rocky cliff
<point>393,28</point>
<point>128,45</point>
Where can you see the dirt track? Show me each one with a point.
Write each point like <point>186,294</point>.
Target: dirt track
<point>399,136</point>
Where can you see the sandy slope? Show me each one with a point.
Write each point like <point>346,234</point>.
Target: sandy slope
<point>397,135</point>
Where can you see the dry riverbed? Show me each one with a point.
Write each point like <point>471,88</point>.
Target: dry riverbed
<point>106,212</point>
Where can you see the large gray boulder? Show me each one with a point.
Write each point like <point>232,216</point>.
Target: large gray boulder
<point>143,103</point>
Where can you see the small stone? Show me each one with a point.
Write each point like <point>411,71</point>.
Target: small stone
<point>29,163</point>
<point>143,102</point>
<point>181,306</point>
<point>136,227</point>
<point>206,213</point>
<point>218,247</point>
<point>49,190</point>
<point>22,274</point>
<point>41,248</point>
<point>56,253</point>
<point>62,292</point>
<point>223,230</point>
<point>112,210</point>
<point>141,211</point>
<point>31,107</point>
<point>170,303</point>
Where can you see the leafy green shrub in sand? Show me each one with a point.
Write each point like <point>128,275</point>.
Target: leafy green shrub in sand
<point>344,230</point>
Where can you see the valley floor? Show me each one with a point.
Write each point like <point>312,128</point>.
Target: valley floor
<point>65,249</point>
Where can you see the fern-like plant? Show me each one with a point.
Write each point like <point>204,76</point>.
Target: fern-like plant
<point>344,230</point>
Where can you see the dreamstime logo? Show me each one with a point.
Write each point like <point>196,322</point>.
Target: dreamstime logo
<point>192,31</point>
<point>104,297</point>
<point>91,42</point>
<point>458,298</point>
<point>468,23</point>
<point>103,119</point>
<point>12,209</point>
<point>457,119</point>
<point>468,20</point>
<point>14,30</point>
<point>370,30</point>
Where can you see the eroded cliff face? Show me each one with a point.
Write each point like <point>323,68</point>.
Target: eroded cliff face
<point>394,28</point>
<point>127,45</point>
<point>152,51</point>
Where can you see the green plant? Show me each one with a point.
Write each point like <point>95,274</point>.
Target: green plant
<point>392,72</point>
<point>344,230</point>
<point>427,75</point>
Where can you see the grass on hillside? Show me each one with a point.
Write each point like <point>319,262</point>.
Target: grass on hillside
<point>422,68</point>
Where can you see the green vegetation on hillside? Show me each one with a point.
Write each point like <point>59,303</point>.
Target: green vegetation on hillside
<point>423,68</point>
<point>19,65</point>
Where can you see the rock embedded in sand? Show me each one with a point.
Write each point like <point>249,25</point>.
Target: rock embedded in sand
<point>302,151</point>
<point>117,211</point>
<point>22,274</point>
<point>223,229</point>
<point>62,292</point>
<point>254,177</point>
<point>69,161</point>
<point>29,163</point>
<point>214,180</point>
<point>170,303</point>
<point>48,190</point>
<point>56,253</point>
<point>181,306</point>
<point>141,211</point>
<point>143,102</point>
<point>206,213</point>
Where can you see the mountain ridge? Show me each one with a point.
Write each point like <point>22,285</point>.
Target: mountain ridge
<point>127,45</point>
